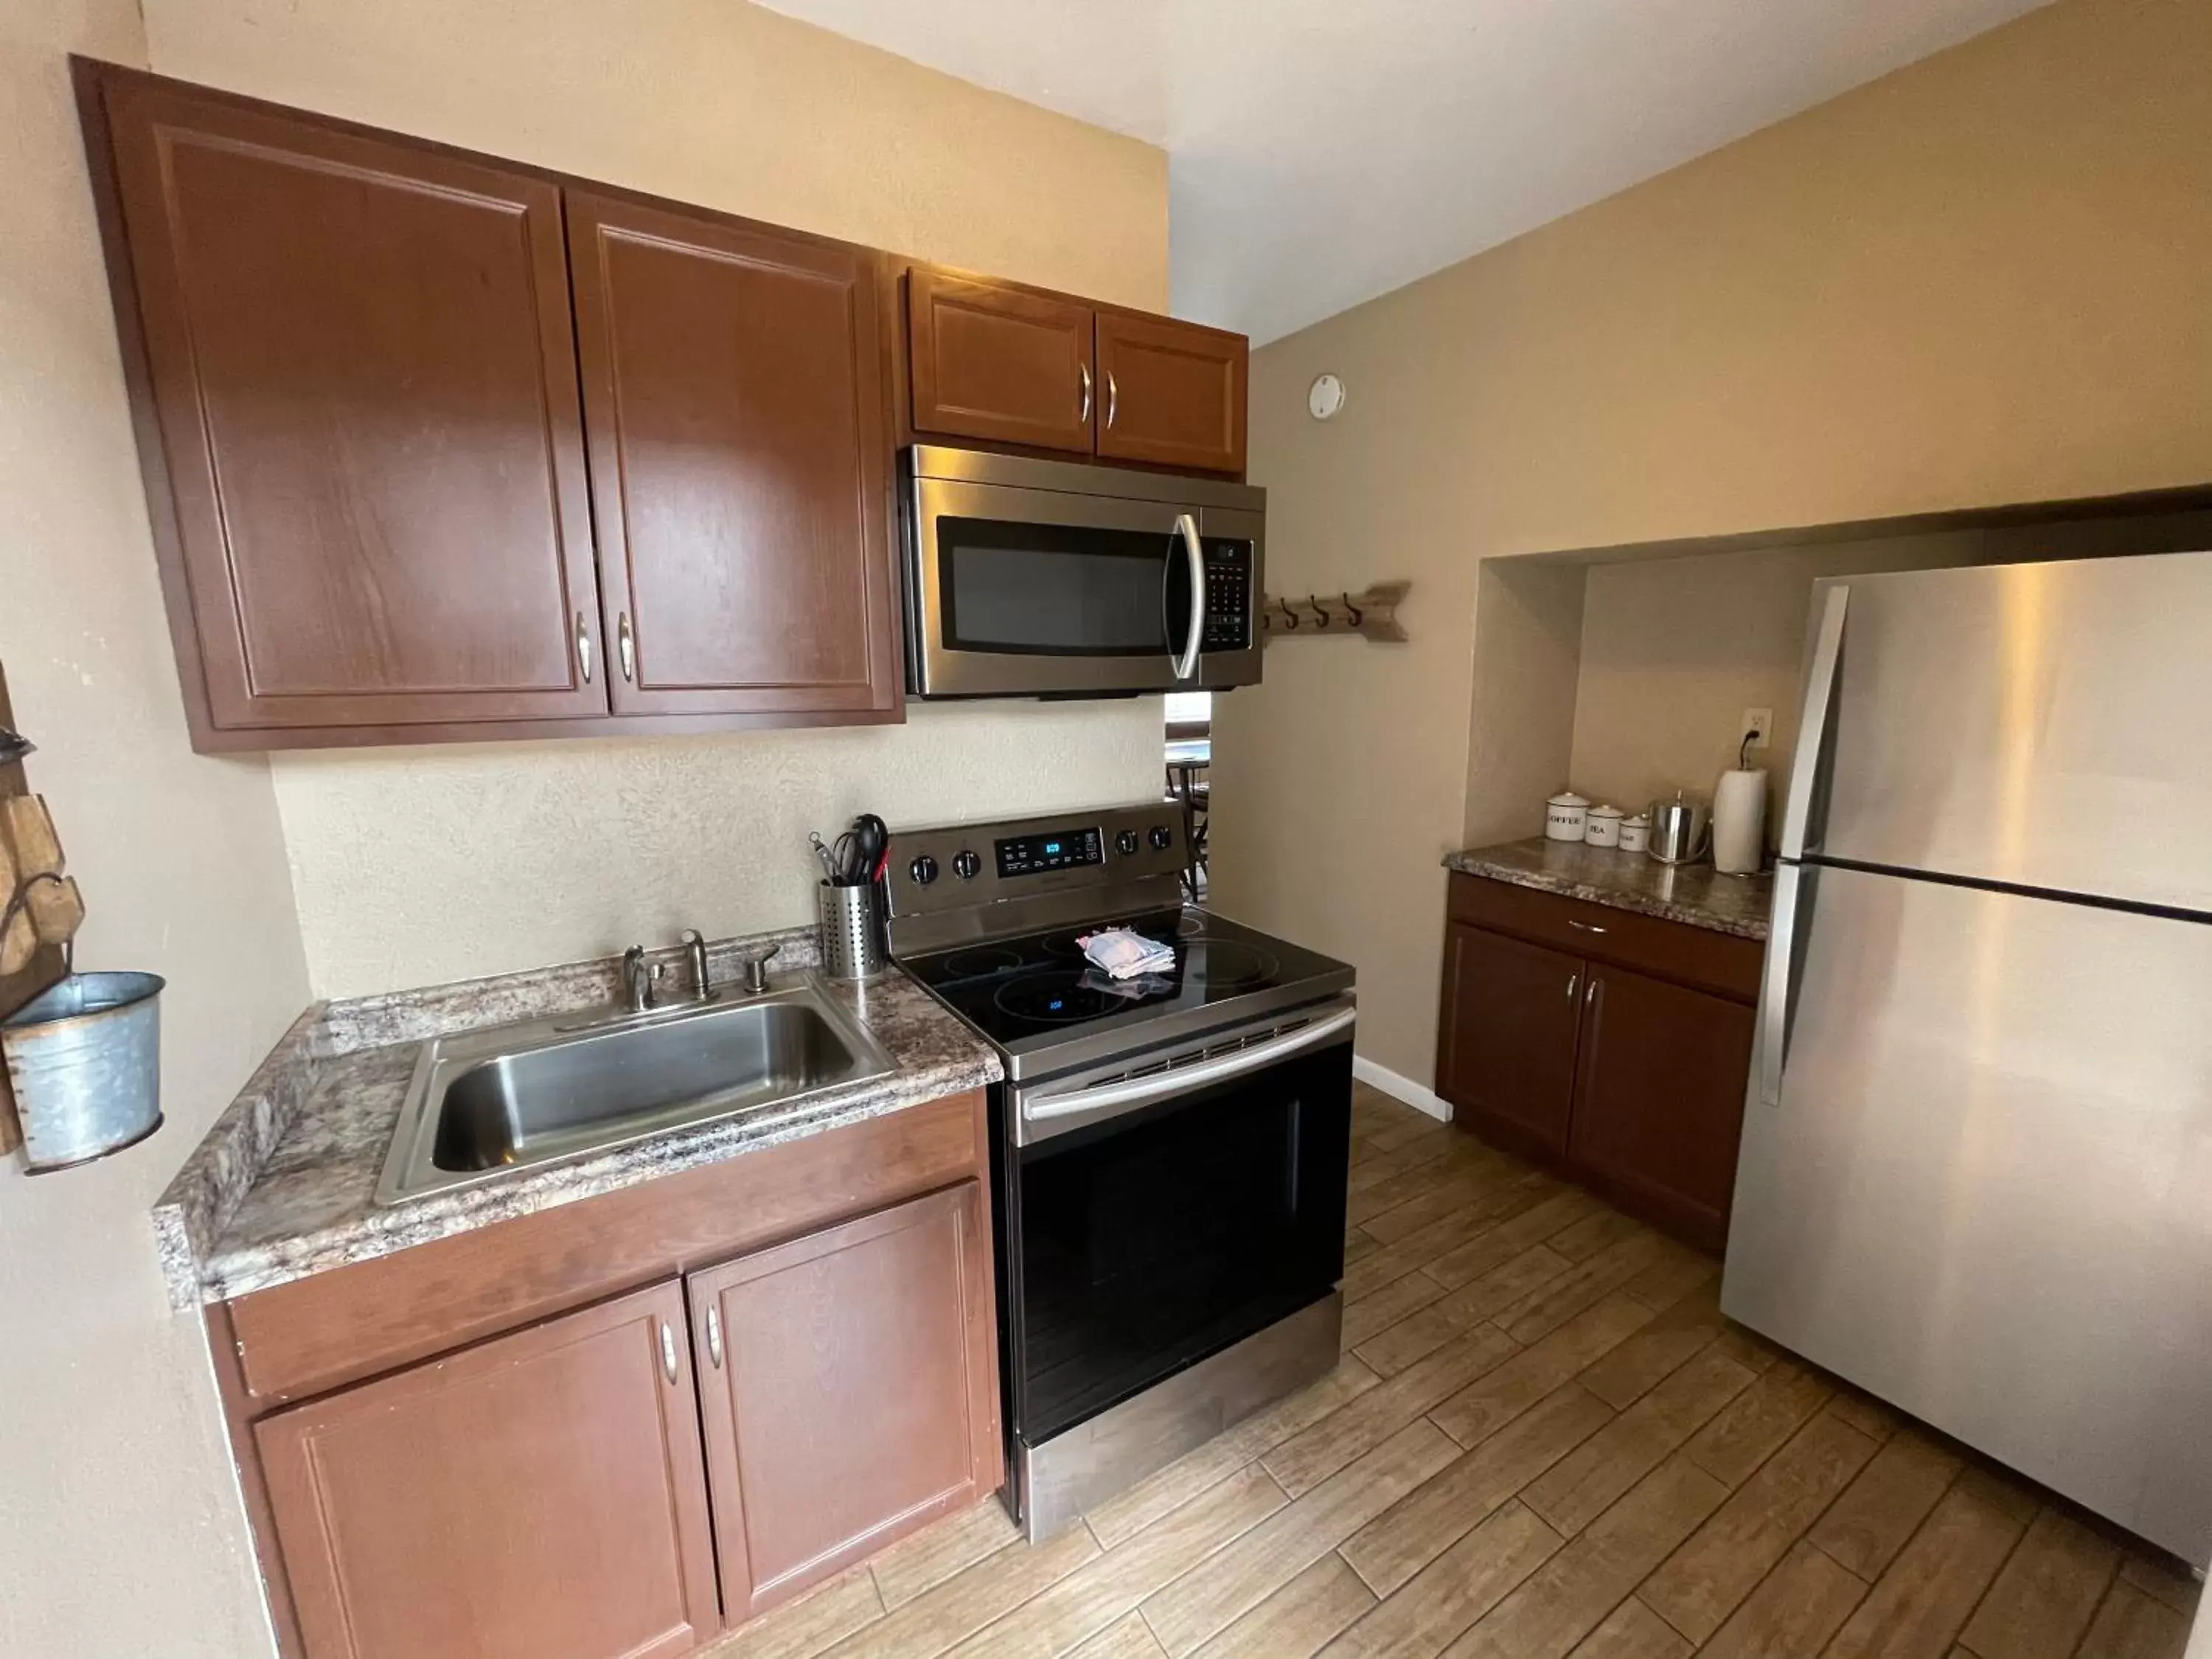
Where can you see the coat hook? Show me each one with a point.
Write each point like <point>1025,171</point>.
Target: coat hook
<point>1320,611</point>
<point>1290,618</point>
<point>1358,615</point>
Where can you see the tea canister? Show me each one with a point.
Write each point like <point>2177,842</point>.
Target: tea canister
<point>1602,826</point>
<point>1566,817</point>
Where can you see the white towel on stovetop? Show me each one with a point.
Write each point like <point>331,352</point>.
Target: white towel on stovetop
<point>1124,955</point>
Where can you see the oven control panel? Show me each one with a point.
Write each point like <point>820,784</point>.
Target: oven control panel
<point>1094,855</point>
<point>1052,849</point>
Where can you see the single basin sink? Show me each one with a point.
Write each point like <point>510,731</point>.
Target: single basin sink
<point>482,1102</point>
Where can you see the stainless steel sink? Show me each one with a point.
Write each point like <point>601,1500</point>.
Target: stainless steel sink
<point>482,1102</point>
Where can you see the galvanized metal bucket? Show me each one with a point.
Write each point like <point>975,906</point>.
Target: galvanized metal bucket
<point>84,1061</point>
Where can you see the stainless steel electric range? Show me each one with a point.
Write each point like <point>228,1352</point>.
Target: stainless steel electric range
<point>1169,1151</point>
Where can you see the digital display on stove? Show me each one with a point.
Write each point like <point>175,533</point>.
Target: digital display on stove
<point>1055,850</point>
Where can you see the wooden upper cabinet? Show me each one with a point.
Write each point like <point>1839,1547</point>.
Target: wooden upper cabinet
<point>538,1497</point>
<point>1005,364</point>
<point>850,1390</point>
<point>361,362</point>
<point>1173,394</point>
<point>733,393</point>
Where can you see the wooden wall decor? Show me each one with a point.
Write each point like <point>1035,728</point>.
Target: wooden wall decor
<point>1372,613</point>
<point>44,966</point>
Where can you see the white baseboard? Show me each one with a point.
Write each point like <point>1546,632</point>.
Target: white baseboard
<point>1401,1088</point>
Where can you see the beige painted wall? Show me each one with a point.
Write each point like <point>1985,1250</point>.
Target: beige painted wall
<point>1985,279</point>
<point>118,1519</point>
<point>415,865</point>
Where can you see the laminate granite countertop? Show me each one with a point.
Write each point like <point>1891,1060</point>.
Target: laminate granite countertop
<point>284,1184</point>
<point>1695,894</point>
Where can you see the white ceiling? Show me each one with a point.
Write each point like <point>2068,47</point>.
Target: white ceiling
<point>1321,152</point>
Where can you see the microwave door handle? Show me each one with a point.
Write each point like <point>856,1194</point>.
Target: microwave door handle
<point>1186,664</point>
<point>1132,1092</point>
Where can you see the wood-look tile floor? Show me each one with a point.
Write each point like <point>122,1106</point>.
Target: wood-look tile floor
<point>1543,1440</point>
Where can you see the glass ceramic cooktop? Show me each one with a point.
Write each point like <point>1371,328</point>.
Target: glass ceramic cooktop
<point>1038,985</point>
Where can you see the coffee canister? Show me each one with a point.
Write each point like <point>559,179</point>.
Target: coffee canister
<point>1602,826</point>
<point>1566,817</point>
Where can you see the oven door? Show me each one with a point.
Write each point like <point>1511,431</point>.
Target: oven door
<point>1036,593</point>
<point>1152,1235</point>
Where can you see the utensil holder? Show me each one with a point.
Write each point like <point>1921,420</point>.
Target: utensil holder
<point>852,930</point>
<point>84,1062</point>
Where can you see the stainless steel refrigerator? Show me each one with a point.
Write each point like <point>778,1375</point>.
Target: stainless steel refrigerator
<point>1976,1166</point>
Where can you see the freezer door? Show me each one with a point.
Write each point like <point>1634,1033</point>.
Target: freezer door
<point>1984,1191</point>
<point>2046,725</point>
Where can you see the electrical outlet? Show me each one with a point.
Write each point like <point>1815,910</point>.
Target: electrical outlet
<point>1759,726</point>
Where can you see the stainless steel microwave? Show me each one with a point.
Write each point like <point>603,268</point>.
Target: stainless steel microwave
<point>1051,578</point>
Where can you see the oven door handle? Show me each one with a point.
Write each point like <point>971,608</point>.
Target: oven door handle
<point>1131,1092</point>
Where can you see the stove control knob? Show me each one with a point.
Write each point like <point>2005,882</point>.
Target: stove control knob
<point>1126,843</point>
<point>923,870</point>
<point>966,865</point>
<point>1160,838</point>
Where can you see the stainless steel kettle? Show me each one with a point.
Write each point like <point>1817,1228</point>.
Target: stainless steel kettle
<point>1678,829</point>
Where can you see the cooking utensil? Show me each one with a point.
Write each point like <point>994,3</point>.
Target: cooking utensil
<point>821,852</point>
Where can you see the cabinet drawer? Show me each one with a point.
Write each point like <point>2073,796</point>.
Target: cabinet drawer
<point>1721,962</point>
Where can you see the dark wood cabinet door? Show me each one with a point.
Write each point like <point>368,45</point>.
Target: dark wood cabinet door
<point>538,1497</point>
<point>361,361</point>
<point>1506,1047</point>
<point>733,393</point>
<point>1002,364</point>
<point>1659,1103</point>
<point>1173,393</point>
<point>851,1392</point>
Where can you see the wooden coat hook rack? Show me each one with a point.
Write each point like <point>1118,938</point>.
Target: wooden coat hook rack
<point>1372,613</point>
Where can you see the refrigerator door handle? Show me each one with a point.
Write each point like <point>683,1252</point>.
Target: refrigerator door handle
<point>1813,724</point>
<point>1785,940</point>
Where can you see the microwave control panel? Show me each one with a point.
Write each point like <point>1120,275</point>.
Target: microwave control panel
<point>1229,602</point>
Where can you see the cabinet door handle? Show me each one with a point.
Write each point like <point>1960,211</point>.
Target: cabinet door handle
<point>1590,992</point>
<point>1574,984</point>
<point>1586,927</point>
<point>1112,399</point>
<point>583,648</point>
<point>1084,415</point>
<point>627,644</point>
<point>715,1335</point>
<point>667,1351</point>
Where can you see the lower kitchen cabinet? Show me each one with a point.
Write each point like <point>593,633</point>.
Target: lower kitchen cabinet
<point>494,1446</point>
<point>1659,1093</point>
<point>1506,1047</point>
<point>539,1496</point>
<point>1613,1046</point>
<point>848,1391</point>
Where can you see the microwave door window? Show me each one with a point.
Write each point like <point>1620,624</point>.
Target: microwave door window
<point>1059,590</point>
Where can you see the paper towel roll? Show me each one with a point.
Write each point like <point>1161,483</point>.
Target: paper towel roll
<point>1740,822</point>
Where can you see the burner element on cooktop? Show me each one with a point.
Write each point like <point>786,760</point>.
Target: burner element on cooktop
<point>1059,998</point>
<point>1226,965</point>
<point>981,960</point>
